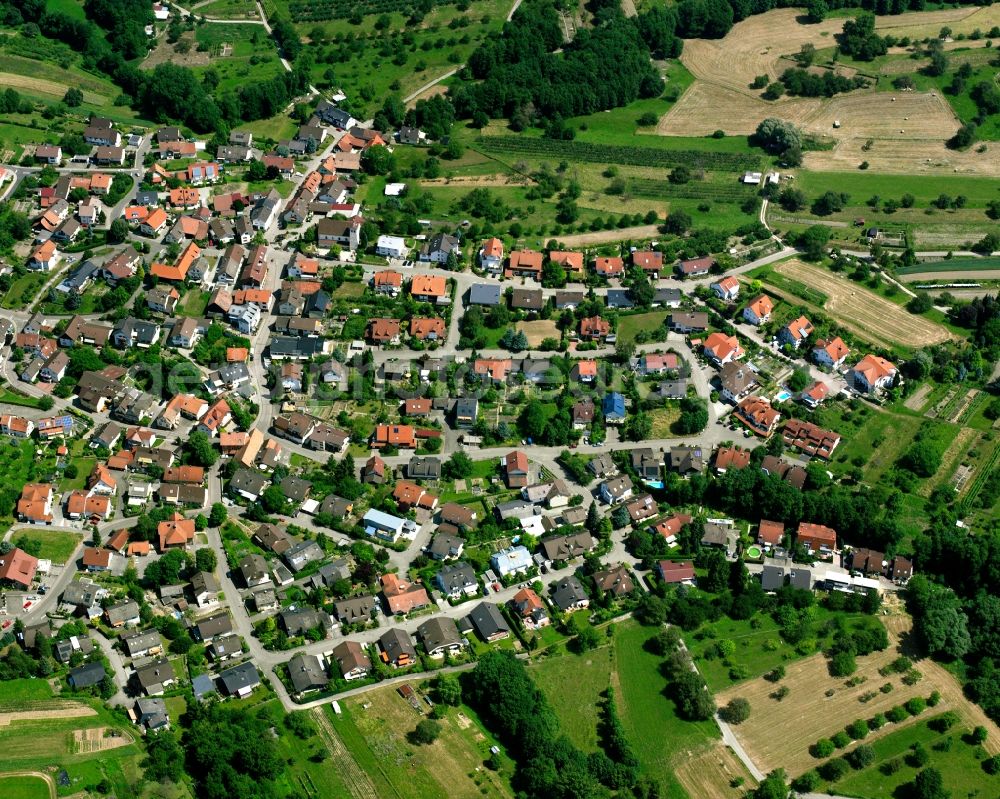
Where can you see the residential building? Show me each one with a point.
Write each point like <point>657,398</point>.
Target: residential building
<point>440,635</point>
<point>350,657</point>
<point>795,332</point>
<point>488,622</point>
<point>396,648</point>
<point>872,373</point>
<point>758,415</point>
<point>726,288</point>
<point>810,438</point>
<point>830,353</point>
<point>758,310</point>
<point>817,539</point>
<point>568,595</point>
<point>456,580</point>
<point>721,349</point>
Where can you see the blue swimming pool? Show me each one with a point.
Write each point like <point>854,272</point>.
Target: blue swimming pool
<point>655,483</point>
<point>783,395</point>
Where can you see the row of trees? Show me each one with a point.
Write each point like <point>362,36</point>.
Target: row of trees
<point>520,76</point>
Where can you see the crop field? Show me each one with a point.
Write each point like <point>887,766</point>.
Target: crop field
<point>373,729</point>
<point>710,774</point>
<point>918,25</point>
<point>865,313</point>
<point>779,733</point>
<point>958,269</point>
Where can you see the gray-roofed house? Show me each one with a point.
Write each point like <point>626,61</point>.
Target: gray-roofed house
<point>300,555</point>
<point>225,647</point>
<point>715,536</point>
<point>397,648</point>
<point>253,568</point>
<point>456,580</point>
<point>355,610</point>
<point>568,594</point>
<point>87,675</point>
<point>204,588</point>
<point>567,547</point>
<point>484,294</point>
<point>687,460</point>
<point>446,547</point>
<point>240,680</point>
<point>440,635</point>
<point>300,620</point>
<point>202,686</point>
<point>155,677</point>
<point>772,576</point>
<point>151,713</point>
<point>215,625</point>
<point>647,464</point>
<point>306,673</point>
<point>527,299</point>
<point>489,622</point>
<point>466,412</point>
<point>139,644</point>
<point>122,614</point>
<point>422,468</point>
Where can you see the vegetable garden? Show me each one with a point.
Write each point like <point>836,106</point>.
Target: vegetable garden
<point>694,190</point>
<point>610,154</point>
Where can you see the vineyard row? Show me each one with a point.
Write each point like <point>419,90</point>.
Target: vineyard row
<point>612,154</point>
<point>646,187</point>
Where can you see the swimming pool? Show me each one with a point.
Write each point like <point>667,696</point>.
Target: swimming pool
<point>783,395</point>
<point>655,484</point>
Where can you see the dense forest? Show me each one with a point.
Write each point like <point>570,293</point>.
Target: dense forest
<point>112,40</point>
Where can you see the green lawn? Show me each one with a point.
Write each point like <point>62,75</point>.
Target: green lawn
<point>653,727</point>
<point>13,693</point>
<point>23,290</point>
<point>23,788</point>
<point>11,397</point>
<point>949,753</point>
<point>193,303</point>
<point>862,185</point>
<point>629,326</point>
<point>573,685</point>
<point>56,545</point>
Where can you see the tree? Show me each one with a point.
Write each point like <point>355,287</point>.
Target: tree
<point>694,416</point>
<point>458,466</point>
<point>273,500</point>
<point>736,711</point>
<point>694,702</point>
<point>813,241</point>
<point>426,731</point>
<point>448,689</point>
<point>776,136</point>
<point>164,759</point>
<point>921,303</point>
<point>118,231</point>
<point>377,160</point>
<point>218,515</point>
<point>678,223</point>
<point>816,11</point>
<point>205,559</point>
<point>842,664</point>
<point>773,787</point>
<point>200,450</point>
<point>256,171</point>
<point>799,380</point>
<point>929,784</point>
<point>73,97</point>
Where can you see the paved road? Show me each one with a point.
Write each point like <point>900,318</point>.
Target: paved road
<point>431,84</point>
<point>730,740</point>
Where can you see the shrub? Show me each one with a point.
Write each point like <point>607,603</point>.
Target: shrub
<point>915,706</point>
<point>897,714</point>
<point>918,755</point>
<point>933,699</point>
<point>912,677</point>
<point>842,664</point>
<point>776,674</point>
<point>891,766</point>
<point>781,693</point>
<point>862,757</point>
<point>841,739</point>
<point>833,770</point>
<point>991,765</point>
<point>736,712</point>
<point>806,783</point>
<point>877,722</point>
<point>857,729</point>
<point>886,688</point>
<point>943,723</point>
<point>978,735</point>
<point>822,748</point>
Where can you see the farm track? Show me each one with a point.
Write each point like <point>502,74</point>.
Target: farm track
<point>357,781</point>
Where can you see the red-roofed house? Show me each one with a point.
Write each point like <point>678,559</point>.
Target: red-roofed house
<point>722,349</point>
<point>594,328</point>
<point>676,572</point>
<point>491,255</point>
<point>757,414</point>
<point>609,266</point>
<point>496,369</point>
<point>695,267</point>
<point>175,532</point>
<point>572,262</point>
<point>429,288</point>
<point>815,394</point>
<point>727,288</point>
<point>795,332</point>
<point>830,353</point>
<point>770,534</point>
<point>18,568</point>
<point>403,596</point>
<point>758,310</point>
<point>402,436</point>
<point>817,538</point>
<point>35,504</point>
<point>731,458</point>
<point>872,373</point>
<point>649,261</point>
<point>515,469</point>
<point>669,528</point>
<point>525,263</point>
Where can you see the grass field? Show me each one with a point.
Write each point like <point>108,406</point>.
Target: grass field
<point>630,326</point>
<point>539,330</point>
<point>663,420</point>
<point>573,685</point>
<point>660,737</point>
<point>193,303</point>
<point>953,756</point>
<point>377,758</point>
<point>23,787</point>
<point>57,545</point>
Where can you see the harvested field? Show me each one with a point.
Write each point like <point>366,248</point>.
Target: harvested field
<point>98,739</point>
<point>916,400</point>
<point>915,116</point>
<point>751,48</point>
<point>697,112</point>
<point>778,734</point>
<point>538,331</point>
<point>707,775</point>
<point>903,156</point>
<point>920,24</point>
<point>48,88</point>
<point>865,313</point>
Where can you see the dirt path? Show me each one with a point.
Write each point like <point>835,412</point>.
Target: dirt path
<point>358,783</point>
<point>916,400</point>
<point>46,778</point>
